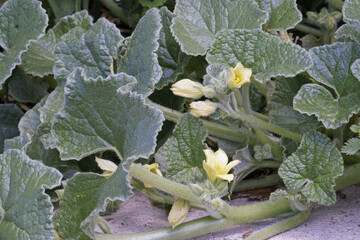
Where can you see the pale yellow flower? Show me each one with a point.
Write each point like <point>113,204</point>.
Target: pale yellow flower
<point>217,166</point>
<point>238,76</point>
<point>107,166</point>
<point>154,168</point>
<point>178,212</point>
<point>187,88</point>
<point>202,108</point>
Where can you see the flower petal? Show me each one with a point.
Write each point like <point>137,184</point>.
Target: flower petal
<point>226,177</point>
<point>230,166</point>
<point>221,159</point>
<point>106,165</point>
<point>210,157</point>
<point>210,171</point>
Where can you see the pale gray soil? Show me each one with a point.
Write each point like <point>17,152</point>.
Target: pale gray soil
<point>340,221</point>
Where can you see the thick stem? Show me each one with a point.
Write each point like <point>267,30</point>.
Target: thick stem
<point>115,9</point>
<point>281,226</point>
<point>307,29</point>
<point>268,126</point>
<point>246,98</point>
<point>250,184</point>
<point>215,129</point>
<point>77,5</point>
<point>239,215</point>
<point>338,4</point>
<point>86,4</point>
<point>351,176</point>
<point>163,184</point>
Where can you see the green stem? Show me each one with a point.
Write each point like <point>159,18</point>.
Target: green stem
<point>2,213</point>
<point>351,176</point>
<point>156,196</point>
<point>281,226</point>
<point>77,5</point>
<point>116,10</point>
<point>239,215</point>
<point>351,159</point>
<point>338,4</point>
<point>86,4</point>
<point>246,98</point>
<point>250,184</point>
<point>307,29</point>
<point>163,184</point>
<point>261,116</point>
<point>270,127</point>
<point>276,148</point>
<point>215,129</point>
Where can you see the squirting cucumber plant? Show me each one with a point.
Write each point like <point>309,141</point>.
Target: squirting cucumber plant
<point>182,100</point>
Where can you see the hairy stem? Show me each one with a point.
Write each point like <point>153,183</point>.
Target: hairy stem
<point>351,176</point>
<point>307,29</point>
<point>246,98</point>
<point>115,9</point>
<point>281,226</point>
<point>250,184</point>
<point>268,126</point>
<point>215,129</point>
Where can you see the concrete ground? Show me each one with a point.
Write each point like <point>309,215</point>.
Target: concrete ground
<point>338,222</point>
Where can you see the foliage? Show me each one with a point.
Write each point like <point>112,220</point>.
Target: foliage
<point>75,87</point>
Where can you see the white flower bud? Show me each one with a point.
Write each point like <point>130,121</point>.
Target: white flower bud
<point>187,88</point>
<point>202,108</point>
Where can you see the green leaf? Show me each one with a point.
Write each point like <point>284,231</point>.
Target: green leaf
<point>17,142</point>
<point>197,22</point>
<point>10,116</point>
<point>39,59</point>
<point>93,50</point>
<point>281,110</point>
<point>349,30</point>
<point>171,59</point>
<point>63,8</point>
<point>312,169</point>
<point>283,14</point>
<point>351,11</point>
<point>92,121</point>
<point>182,154</point>
<point>26,88</point>
<point>140,58</point>
<point>283,114</point>
<point>152,3</point>
<point>20,22</point>
<point>28,210</point>
<point>86,195</point>
<point>267,55</point>
<point>351,146</point>
<point>216,76</point>
<point>332,68</point>
<point>355,69</point>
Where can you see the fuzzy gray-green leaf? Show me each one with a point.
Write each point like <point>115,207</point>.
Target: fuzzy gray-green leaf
<point>39,59</point>
<point>87,194</point>
<point>349,30</point>
<point>98,117</point>
<point>139,58</point>
<point>171,59</point>
<point>312,169</point>
<point>331,67</point>
<point>10,116</point>
<point>182,154</point>
<point>351,11</point>
<point>20,22</point>
<point>267,55</point>
<point>28,210</point>
<point>197,22</point>
<point>283,14</point>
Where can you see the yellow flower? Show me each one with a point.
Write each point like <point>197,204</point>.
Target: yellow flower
<point>217,167</point>
<point>187,88</point>
<point>178,212</point>
<point>107,166</point>
<point>154,168</point>
<point>238,76</point>
<point>202,108</point>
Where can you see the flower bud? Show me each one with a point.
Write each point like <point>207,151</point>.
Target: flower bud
<point>178,212</point>
<point>154,168</point>
<point>238,76</point>
<point>187,88</point>
<point>202,108</point>
<point>196,189</point>
<point>208,91</point>
<point>107,166</point>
